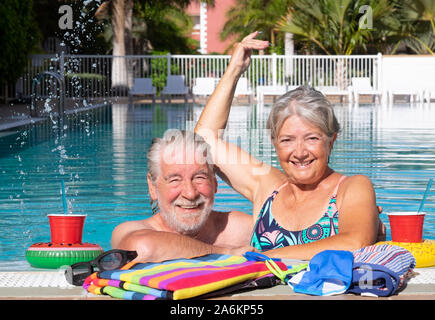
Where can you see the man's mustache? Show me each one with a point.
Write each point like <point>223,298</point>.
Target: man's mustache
<point>186,203</point>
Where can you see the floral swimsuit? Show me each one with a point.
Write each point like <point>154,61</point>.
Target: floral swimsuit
<point>268,234</point>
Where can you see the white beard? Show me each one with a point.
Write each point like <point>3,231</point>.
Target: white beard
<point>195,221</point>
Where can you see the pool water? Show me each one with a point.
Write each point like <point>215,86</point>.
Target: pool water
<point>101,156</point>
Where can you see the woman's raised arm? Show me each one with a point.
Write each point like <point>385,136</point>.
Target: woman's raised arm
<point>237,167</point>
<point>215,114</point>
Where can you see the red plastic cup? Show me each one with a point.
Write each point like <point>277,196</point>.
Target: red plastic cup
<point>406,226</point>
<point>66,228</point>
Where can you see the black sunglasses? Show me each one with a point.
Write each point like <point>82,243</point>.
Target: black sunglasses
<point>109,260</point>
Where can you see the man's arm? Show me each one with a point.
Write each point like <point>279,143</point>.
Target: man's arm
<point>160,245</point>
<point>153,245</point>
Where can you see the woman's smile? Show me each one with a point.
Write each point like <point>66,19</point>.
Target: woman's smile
<point>303,150</point>
<point>302,164</point>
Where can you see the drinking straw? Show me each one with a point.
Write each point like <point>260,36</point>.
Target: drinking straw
<point>429,185</point>
<point>65,205</point>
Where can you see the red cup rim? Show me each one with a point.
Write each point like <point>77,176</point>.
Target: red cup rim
<point>406,213</point>
<point>66,215</point>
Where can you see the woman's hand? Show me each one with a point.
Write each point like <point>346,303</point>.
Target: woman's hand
<point>382,230</point>
<point>216,112</point>
<point>240,251</point>
<point>241,57</point>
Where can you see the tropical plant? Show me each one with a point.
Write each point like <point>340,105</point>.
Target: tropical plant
<point>164,27</point>
<point>417,25</point>
<point>18,38</point>
<point>337,26</point>
<point>247,16</point>
<point>425,10</point>
<point>159,67</point>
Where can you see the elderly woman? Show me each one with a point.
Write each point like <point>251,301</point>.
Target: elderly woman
<point>306,207</point>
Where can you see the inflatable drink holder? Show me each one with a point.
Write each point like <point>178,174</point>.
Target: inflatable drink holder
<point>407,232</point>
<point>66,245</point>
<point>423,252</point>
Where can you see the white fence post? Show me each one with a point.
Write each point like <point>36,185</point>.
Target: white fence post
<point>168,57</point>
<point>378,73</point>
<point>274,69</point>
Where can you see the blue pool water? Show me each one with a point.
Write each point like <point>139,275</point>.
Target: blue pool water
<point>101,158</point>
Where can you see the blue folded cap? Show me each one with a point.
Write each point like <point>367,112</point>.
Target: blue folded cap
<point>329,273</point>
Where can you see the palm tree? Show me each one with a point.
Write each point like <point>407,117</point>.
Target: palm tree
<point>417,27</point>
<point>333,25</point>
<point>426,11</point>
<point>121,13</point>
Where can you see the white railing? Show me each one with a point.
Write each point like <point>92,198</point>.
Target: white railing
<point>93,75</point>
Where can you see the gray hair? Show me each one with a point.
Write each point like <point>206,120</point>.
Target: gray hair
<point>306,103</point>
<point>175,141</point>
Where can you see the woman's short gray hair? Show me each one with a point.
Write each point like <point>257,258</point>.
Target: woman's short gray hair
<point>307,103</point>
<point>174,142</point>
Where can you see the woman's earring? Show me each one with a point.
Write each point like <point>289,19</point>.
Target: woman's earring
<point>154,206</point>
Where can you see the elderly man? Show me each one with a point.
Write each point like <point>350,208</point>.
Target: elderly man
<point>181,180</point>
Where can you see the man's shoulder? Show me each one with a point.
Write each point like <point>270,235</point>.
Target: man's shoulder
<point>131,225</point>
<point>231,215</point>
<point>234,228</point>
<point>232,220</point>
<point>128,227</point>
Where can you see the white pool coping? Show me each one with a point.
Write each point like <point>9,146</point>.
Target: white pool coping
<point>53,285</point>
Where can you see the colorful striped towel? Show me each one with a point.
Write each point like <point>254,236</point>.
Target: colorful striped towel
<point>380,270</point>
<point>181,278</point>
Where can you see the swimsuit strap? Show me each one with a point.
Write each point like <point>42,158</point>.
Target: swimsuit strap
<point>334,194</point>
<point>282,186</point>
<point>275,192</point>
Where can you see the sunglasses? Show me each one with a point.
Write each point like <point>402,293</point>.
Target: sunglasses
<point>109,260</point>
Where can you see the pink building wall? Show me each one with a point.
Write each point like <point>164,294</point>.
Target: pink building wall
<point>214,23</point>
<point>194,10</point>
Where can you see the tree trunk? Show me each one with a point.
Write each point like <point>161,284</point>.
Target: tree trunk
<point>122,11</point>
<point>289,48</point>
<point>341,74</point>
<point>128,38</point>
